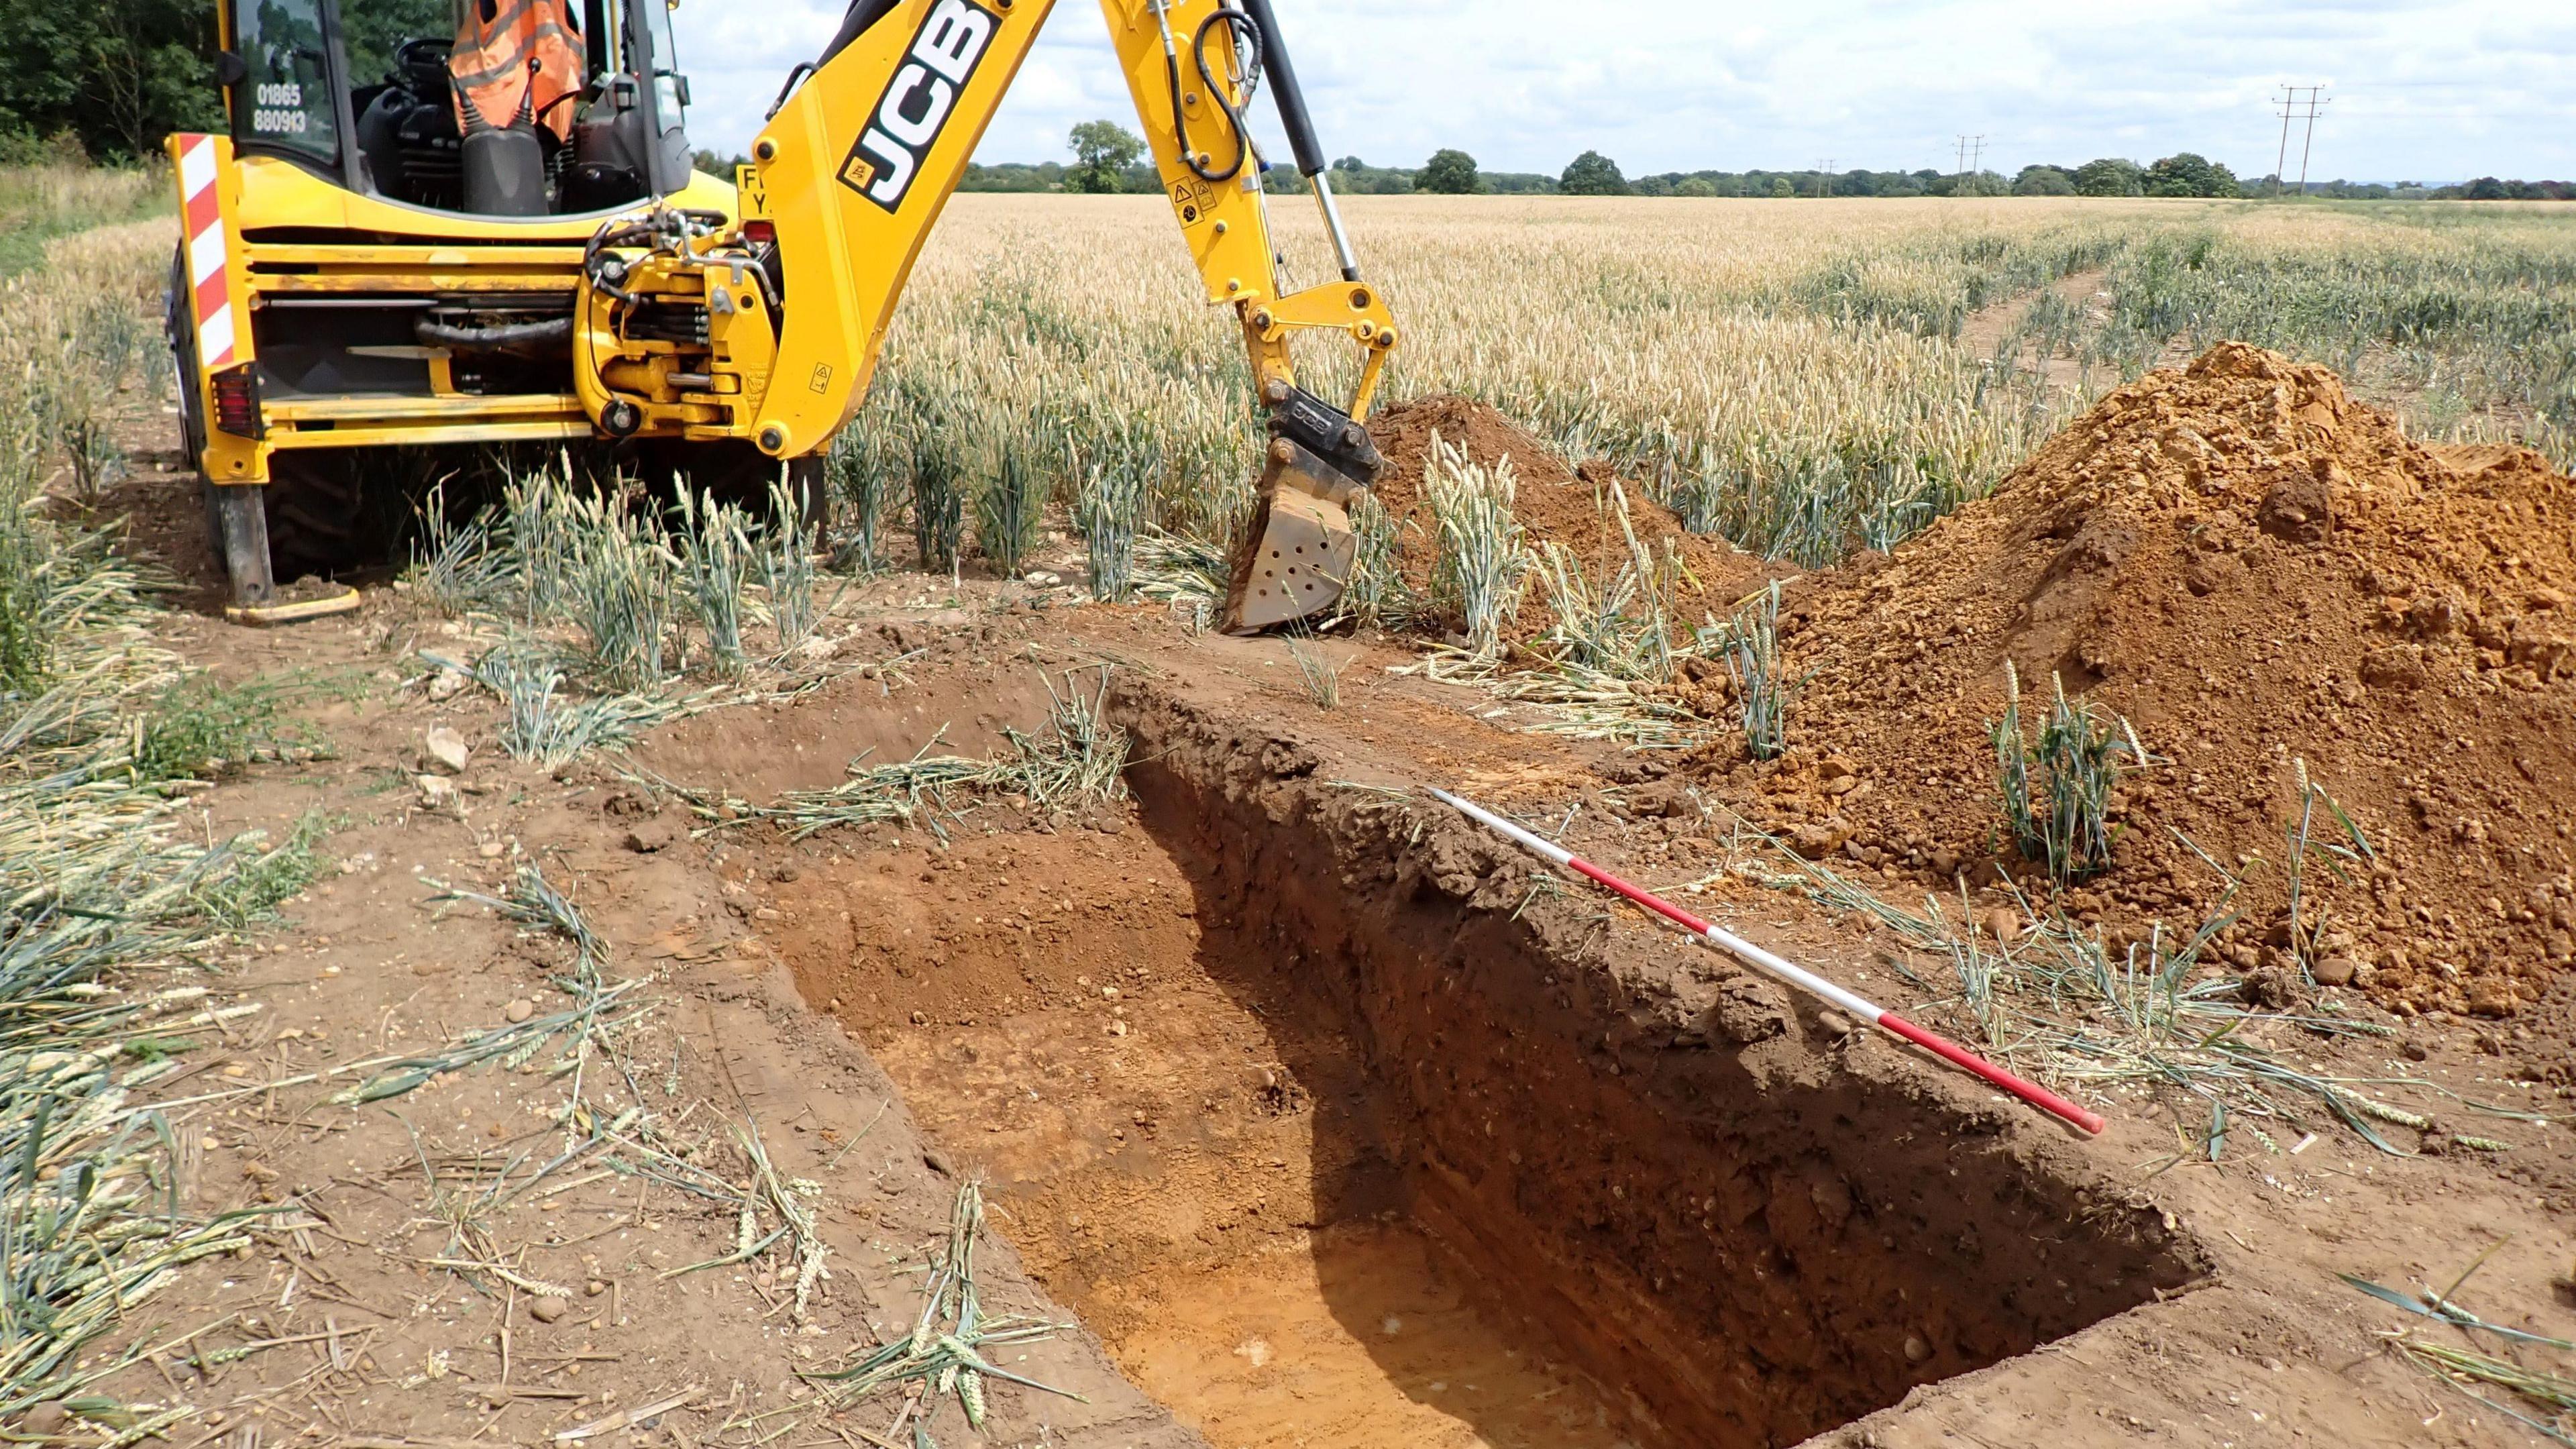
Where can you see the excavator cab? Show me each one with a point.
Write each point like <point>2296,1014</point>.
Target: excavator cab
<point>384,253</point>
<point>511,108</point>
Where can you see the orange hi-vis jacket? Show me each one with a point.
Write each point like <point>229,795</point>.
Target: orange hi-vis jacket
<point>494,44</point>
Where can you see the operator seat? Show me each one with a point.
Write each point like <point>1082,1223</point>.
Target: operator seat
<point>516,69</point>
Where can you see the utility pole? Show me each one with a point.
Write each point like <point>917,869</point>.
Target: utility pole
<point>1824,177</point>
<point>1968,162</point>
<point>2294,109</point>
<point>2288,102</point>
<point>2316,102</point>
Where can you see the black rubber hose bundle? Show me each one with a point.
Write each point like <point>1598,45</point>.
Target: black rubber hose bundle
<point>1242,30</point>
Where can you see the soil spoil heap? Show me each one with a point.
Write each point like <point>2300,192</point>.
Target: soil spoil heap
<point>1571,508</point>
<point>2254,570</point>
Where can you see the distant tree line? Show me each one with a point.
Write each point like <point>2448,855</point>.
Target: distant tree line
<point>1111,158</point>
<point>2488,188</point>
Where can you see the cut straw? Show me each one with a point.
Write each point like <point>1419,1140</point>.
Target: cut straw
<point>2036,1095</point>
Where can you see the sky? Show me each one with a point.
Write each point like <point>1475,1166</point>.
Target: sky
<point>2435,90</point>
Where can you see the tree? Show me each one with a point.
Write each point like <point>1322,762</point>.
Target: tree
<point>370,34</point>
<point>1449,172</point>
<point>1782,189</point>
<point>2043,181</point>
<point>2110,176</point>
<point>1592,174</point>
<point>1102,150</point>
<point>115,76</point>
<point>1694,186</point>
<point>1350,163</point>
<point>2188,174</point>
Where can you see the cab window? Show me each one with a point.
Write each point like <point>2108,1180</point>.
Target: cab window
<point>670,88</point>
<point>285,102</point>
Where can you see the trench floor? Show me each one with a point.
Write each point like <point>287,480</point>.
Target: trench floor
<point>1175,1154</point>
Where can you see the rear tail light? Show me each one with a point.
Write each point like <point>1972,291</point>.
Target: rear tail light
<point>760,233</point>
<point>237,409</point>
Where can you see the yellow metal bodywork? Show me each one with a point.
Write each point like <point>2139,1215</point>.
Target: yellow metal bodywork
<point>705,395</point>
<point>228,459</point>
<point>847,257</point>
<point>784,378</point>
<point>1225,227</point>
<point>393,250</point>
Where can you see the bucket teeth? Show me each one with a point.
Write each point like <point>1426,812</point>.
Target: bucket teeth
<point>1296,556</point>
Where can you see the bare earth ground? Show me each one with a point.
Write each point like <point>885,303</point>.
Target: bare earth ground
<point>1330,1125</point>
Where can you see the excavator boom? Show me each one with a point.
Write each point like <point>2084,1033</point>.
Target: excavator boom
<point>852,171</point>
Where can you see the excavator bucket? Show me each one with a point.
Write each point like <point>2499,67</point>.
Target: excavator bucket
<point>1296,557</point>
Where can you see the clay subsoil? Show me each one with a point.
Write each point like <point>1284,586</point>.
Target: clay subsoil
<point>1575,509</point>
<point>1320,1117</point>
<point>2267,582</point>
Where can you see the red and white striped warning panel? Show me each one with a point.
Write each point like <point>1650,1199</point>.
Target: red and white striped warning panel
<point>206,252</point>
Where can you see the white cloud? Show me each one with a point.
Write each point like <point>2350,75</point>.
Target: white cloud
<point>2437,89</point>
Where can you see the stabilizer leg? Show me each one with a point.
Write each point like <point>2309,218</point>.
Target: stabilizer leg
<point>239,513</point>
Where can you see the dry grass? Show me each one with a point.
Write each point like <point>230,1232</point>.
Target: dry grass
<point>106,888</point>
<point>1076,763</point>
<point>2120,1021</point>
<point>41,203</point>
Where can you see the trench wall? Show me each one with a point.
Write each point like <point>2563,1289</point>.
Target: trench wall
<point>1743,1226</point>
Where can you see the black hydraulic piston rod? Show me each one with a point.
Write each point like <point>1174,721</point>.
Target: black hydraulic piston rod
<point>1300,126</point>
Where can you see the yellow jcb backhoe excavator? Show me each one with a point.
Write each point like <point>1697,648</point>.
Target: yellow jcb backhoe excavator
<point>441,222</point>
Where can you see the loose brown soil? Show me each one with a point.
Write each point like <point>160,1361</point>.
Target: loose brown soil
<point>1269,1071</point>
<point>1573,508</point>
<point>2255,571</point>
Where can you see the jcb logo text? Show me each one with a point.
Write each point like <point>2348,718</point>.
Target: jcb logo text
<point>918,102</point>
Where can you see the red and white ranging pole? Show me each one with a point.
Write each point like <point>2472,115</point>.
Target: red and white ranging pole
<point>1807,981</point>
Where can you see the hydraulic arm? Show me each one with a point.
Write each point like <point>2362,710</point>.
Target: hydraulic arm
<point>769,330</point>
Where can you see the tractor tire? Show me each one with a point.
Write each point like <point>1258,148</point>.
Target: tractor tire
<point>313,512</point>
<point>740,474</point>
<point>179,325</point>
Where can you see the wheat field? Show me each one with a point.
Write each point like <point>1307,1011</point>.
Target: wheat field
<point>1804,376</point>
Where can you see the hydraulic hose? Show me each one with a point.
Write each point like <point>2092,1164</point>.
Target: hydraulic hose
<point>854,23</point>
<point>1240,29</point>
<point>533,338</point>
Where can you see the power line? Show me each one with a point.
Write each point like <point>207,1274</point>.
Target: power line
<point>1972,158</point>
<point>2294,109</point>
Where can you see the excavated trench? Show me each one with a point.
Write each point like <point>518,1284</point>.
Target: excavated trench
<point>1335,1135</point>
